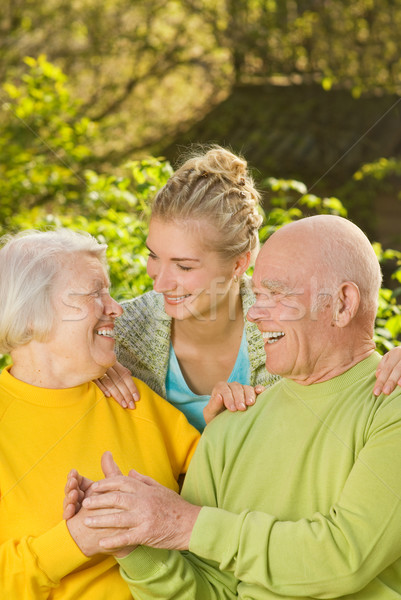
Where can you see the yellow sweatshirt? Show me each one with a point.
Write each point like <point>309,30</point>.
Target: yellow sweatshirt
<point>43,434</point>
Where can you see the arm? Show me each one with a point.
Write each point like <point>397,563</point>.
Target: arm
<point>323,555</point>
<point>143,509</point>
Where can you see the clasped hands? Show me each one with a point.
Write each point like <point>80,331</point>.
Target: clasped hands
<point>118,513</point>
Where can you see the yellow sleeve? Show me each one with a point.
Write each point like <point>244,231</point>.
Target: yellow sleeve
<point>31,567</point>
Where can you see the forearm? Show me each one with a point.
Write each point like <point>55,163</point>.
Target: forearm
<point>167,574</point>
<point>32,566</point>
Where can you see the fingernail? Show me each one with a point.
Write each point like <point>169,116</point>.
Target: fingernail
<point>242,406</point>
<point>250,401</point>
<point>124,404</point>
<point>376,392</point>
<point>387,389</point>
<point>131,404</point>
<point>107,394</point>
<point>135,397</point>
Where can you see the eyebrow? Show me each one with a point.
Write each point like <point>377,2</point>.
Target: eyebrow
<point>273,285</point>
<point>176,259</point>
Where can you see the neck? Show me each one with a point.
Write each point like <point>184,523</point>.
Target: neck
<point>33,365</point>
<point>336,364</point>
<point>215,326</point>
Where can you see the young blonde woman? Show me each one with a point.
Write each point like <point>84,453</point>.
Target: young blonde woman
<point>190,335</point>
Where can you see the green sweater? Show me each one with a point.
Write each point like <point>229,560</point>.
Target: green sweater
<point>301,498</point>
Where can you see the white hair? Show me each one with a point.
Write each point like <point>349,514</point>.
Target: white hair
<point>29,264</point>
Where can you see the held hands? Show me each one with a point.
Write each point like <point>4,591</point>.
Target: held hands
<point>117,382</point>
<point>232,396</point>
<point>388,372</point>
<point>77,489</point>
<point>121,512</point>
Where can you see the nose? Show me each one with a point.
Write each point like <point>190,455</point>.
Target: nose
<point>258,312</point>
<point>162,279</point>
<point>112,308</point>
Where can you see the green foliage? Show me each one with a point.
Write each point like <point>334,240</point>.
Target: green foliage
<point>289,201</point>
<point>46,151</point>
<point>49,179</point>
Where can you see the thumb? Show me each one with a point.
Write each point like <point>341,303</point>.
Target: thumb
<point>109,467</point>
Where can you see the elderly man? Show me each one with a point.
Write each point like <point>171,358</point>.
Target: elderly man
<point>300,495</point>
<point>57,320</point>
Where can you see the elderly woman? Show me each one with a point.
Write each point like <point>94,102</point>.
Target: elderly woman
<point>57,320</point>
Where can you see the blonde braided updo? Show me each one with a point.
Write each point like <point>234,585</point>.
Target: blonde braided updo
<point>214,186</point>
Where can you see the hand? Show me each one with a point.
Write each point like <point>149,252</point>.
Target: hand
<point>388,372</point>
<point>233,396</point>
<point>148,513</point>
<point>88,539</point>
<point>76,489</point>
<point>117,382</point>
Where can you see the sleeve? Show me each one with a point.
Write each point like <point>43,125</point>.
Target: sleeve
<point>326,555</point>
<point>167,574</point>
<point>32,566</point>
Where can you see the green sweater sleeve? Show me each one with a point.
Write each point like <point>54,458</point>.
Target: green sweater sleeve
<point>325,555</point>
<point>152,573</point>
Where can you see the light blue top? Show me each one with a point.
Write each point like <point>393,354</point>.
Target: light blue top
<point>192,405</point>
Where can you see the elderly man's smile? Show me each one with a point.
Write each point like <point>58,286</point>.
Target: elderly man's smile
<point>272,336</point>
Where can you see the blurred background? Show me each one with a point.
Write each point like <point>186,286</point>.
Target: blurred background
<point>99,100</point>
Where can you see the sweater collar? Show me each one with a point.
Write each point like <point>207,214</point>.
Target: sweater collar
<point>42,396</point>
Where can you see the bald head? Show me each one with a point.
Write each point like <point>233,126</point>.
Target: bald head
<point>334,250</point>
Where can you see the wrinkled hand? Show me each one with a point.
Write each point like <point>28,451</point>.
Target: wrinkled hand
<point>232,396</point>
<point>118,383</point>
<point>388,372</point>
<point>148,513</point>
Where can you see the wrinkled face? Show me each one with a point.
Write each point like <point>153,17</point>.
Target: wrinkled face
<point>192,278</point>
<point>82,339</point>
<point>296,333</point>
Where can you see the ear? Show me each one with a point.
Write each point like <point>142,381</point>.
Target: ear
<point>242,263</point>
<point>347,304</point>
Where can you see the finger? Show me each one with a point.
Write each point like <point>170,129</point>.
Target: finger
<point>69,511</point>
<point>72,482</point>
<point>102,387</point>
<point>123,519</point>
<point>114,499</point>
<point>114,390</point>
<point>250,395</point>
<point>259,389</point>
<point>238,395</point>
<point>214,407</point>
<point>224,390</point>
<point>124,375</point>
<point>388,372</point>
<point>109,466</point>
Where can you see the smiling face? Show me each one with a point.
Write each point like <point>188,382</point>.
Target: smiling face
<point>81,340</point>
<point>292,309</point>
<point>193,279</point>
